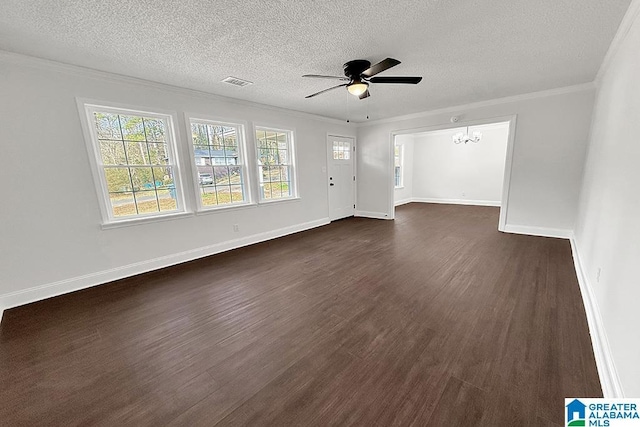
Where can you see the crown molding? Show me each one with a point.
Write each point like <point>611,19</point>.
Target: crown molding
<point>41,63</point>
<point>623,30</point>
<point>498,101</point>
<point>61,67</point>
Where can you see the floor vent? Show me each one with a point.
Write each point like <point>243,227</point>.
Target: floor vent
<point>237,82</point>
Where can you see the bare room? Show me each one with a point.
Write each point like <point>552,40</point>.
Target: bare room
<point>319,213</point>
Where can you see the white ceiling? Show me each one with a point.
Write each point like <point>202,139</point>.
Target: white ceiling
<point>466,50</point>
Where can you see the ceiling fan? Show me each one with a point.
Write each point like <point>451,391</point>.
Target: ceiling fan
<point>360,73</point>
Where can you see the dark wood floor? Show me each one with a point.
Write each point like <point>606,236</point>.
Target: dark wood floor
<point>433,319</point>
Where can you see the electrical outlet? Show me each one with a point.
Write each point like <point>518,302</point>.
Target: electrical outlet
<point>236,228</point>
<point>598,274</point>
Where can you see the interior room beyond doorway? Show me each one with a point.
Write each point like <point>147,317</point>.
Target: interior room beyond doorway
<point>462,165</point>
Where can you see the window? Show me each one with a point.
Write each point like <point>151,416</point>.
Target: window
<point>218,154</point>
<point>138,174</point>
<point>341,150</point>
<point>275,164</point>
<point>398,162</point>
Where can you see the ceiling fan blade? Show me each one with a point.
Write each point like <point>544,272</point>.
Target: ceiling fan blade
<point>405,80</point>
<point>320,76</point>
<point>385,64</point>
<point>366,94</point>
<point>326,90</point>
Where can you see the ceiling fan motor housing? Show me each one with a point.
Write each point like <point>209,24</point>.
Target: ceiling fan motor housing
<point>353,69</point>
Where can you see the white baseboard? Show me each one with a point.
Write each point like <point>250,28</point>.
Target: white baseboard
<point>375,215</point>
<point>402,202</point>
<point>609,380</point>
<point>538,231</point>
<point>457,201</point>
<point>49,290</point>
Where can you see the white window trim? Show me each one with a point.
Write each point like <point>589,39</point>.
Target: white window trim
<point>401,147</point>
<point>245,156</point>
<point>86,108</point>
<point>295,194</point>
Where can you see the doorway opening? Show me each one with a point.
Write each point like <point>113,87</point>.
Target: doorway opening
<point>464,164</point>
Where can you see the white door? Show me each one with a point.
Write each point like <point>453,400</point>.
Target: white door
<point>340,152</point>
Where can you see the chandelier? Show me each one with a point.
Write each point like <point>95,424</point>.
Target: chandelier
<point>460,137</point>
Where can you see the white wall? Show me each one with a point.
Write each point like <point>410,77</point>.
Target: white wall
<point>607,234</point>
<point>405,193</point>
<point>548,156</point>
<point>51,239</point>
<point>469,173</point>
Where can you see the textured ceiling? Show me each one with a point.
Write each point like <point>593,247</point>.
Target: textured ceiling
<point>466,50</point>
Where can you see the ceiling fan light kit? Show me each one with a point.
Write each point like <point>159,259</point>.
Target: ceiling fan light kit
<point>360,73</point>
<point>357,88</point>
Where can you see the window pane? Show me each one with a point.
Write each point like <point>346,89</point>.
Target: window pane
<point>137,153</point>
<point>158,154</point>
<point>107,126</point>
<point>267,190</point>
<point>285,188</point>
<point>276,191</point>
<point>224,195</point>
<point>168,202</point>
<point>162,176</point>
<point>122,204</point>
<point>146,201</point>
<point>209,198</point>
<point>221,175</point>
<point>205,176</point>
<point>265,156</point>
<point>112,153</point>
<point>154,129</point>
<point>284,156</point>
<point>285,173</point>
<point>237,193</point>
<point>200,136</point>
<point>282,144</point>
<point>230,139</point>
<point>215,137</point>
<point>142,179</point>
<point>118,180</point>
<point>235,173</point>
<point>132,128</point>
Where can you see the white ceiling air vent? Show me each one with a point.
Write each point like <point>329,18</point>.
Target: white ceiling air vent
<point>237,82</point>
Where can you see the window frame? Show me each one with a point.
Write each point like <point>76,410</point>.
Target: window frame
<point>291,138</point>
<point>244,157</point>
<point>87,108</point>
<point>400,146</point>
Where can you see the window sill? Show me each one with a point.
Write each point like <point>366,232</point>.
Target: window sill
<point>145,220</point>
<point>288,199</point>
<point>399,188</point>
<point>226,208</point>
